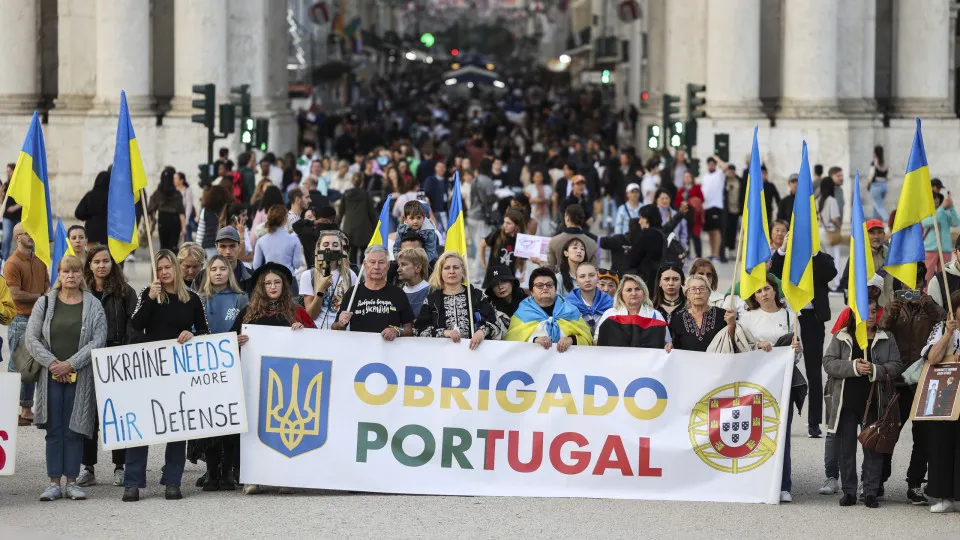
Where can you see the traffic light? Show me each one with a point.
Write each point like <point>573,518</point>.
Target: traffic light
<point>676,134</point>
<point>207,104</point>
<point>427,39</point>
<point>653,137</point>
<point>228,118</point>
<point>241,98</point>
<point>695,101</point>
<point>671,108</point>
<point>454,52</point>
<point>262,133</point>
<point>247,127</point>
<point>605,76</point>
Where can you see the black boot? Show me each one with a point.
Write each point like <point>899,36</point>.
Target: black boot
<point>172,493</point>
<point>130,494</point>
<point>212,482</point>
<point>227,481</point>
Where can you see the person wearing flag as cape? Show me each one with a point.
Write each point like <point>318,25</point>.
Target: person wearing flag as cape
<point>545,319</point>
<point>632,321</point>
<point>857,356</point>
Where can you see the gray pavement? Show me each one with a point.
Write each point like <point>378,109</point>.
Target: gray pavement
<point>342,515</point>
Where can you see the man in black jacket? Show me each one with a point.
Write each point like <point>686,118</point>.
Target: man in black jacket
<point>812,318</point>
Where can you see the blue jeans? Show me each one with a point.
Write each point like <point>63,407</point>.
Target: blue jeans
<point>64,446</point>
<point>878,191</point>
<point>786,484</point>
<point>14,332</point>
<point>175,457</point>
<point>7,238</point>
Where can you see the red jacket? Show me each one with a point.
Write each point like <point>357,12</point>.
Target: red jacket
<point>695,199</point>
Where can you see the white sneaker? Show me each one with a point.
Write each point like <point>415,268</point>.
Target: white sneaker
<point>73,492</point>
<point>86,478</point>
<point>943,506</point>
<point>830,487</point>
<point>118,477</point>
<point>785,497</point>
<point>52,493</point>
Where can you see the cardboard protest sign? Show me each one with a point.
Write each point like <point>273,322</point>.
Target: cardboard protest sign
<point>162,391</point>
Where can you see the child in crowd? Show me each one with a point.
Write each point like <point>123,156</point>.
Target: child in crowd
<point>415,219</point>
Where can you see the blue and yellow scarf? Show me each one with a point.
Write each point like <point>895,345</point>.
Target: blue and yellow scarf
<point>565,321</point>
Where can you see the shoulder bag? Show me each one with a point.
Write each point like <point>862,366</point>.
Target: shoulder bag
<point>25,363</point>
<point>881,436</point>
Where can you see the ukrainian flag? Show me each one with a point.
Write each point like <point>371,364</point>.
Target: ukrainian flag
<point>915,204</point>
<point>755,244</point>
<point>127,180</point>
<point>30,188</point>
<point>803,241</point>
<point>861,266</point>
<point>565,320</point>
<point>382,233</point>
<point>61,247</point>
<point>456,225</point>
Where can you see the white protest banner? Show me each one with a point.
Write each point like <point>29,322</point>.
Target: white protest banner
<point>162,391</point>
<point>529,246</point>
<point>350,411</point>
<point>9,414</point>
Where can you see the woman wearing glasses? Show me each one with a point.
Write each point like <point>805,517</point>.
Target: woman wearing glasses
<point>694,327</point>
<point>705,268</point>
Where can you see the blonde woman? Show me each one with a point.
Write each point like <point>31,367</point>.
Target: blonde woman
<point>167,309</point>
<point>632,321</point>
<point>191,258</point>
<point>324,286</point>
<point>446,312</point>
<point>65,326</point>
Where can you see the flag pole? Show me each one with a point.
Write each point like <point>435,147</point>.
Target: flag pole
<point>146,223</point>
<point>736,267</point>
<point>356,286</point>
<point>466,275</point>
<point>943,267</point>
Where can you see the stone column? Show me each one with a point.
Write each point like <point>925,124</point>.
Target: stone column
<point>19,57</point>
<point>200,49</point>
<point>123,56</point>
<point>686,34</point>
<point>733,80</point>
<point>921,62</point>
<point>77,56</point>
<point>810,38</point>
<point>856,50</point>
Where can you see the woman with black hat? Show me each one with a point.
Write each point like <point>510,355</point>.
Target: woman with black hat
<point>271,304</point>
<point>504,290</point>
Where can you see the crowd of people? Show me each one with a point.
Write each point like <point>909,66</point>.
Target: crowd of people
<point>285,241</point>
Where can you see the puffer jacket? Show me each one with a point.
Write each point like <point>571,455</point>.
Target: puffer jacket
<point>910,323</point>
<point>839,367</point>
<point>119,311</point>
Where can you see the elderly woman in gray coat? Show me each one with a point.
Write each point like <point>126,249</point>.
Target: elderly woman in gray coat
<point>850,373</point>
<point>65,326</point>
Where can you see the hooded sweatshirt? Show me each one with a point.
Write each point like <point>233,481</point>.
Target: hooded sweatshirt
<point>222,309</point>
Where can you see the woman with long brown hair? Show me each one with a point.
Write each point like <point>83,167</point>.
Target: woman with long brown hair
<point>215,199</point>
<point>278,245</point>
<point>502,242</point>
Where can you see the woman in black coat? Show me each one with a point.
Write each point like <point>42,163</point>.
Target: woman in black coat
<point>92,209</point>
<point>647,249</point>
<point>357,217</point>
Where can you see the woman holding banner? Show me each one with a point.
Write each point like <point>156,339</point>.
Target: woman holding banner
<point>446,312</point>
<point>632,321</point>
<point>167,309</point>
<point>694,327</point>
<point>105,280</point>
<point>270,305</point>
<point>65,326</point>
<point>943,436</point>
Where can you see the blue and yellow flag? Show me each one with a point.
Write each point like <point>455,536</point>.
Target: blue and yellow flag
<point>915,204</point>
<point>755,244</point>
<point>61,247</point>
<point>127,180</point>
<point>30,188</point>
<point>381,235</point>
<point>803,241</point>
<point>530,319</point>
<point>861,266</point>
<point>456,222</point>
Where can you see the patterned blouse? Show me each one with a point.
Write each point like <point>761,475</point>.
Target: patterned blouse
<point>688,336</point>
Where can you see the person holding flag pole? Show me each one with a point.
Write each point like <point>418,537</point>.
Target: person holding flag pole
<point>376,305</point>
<point>859,356</point>
<point>457,239</point>
<point>128,187</point>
